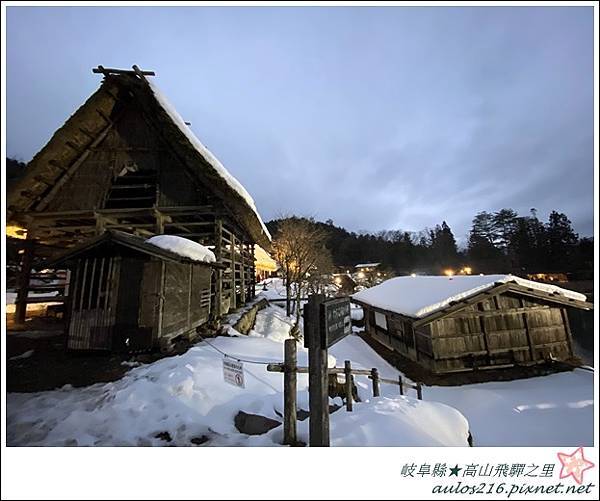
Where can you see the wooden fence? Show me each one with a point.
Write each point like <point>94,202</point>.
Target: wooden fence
<point>290,370</point>
<point>349,374</point>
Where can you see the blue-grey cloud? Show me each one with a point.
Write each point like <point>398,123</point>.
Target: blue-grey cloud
<point>374,117</point>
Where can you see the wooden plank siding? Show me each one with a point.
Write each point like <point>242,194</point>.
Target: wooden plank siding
<point>497,329</point>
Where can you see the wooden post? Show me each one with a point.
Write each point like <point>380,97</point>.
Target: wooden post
<point>233,280</point>
<point>159,225</point>
<point>567,326</point>
<point>24,273</point>
<point>318,396</point>
<point>527,331</point>
<point>252,272</point>
<point>419,391</point>
<point>243,273</point>
<point>400,384</point>
<point>375,377</point>
<point>218,309</point>
<point>100,223</point>
<point>289,393</point>
<point>348,384</point>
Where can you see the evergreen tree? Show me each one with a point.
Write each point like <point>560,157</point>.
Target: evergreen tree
<point>561,242</point>
<point>483,228</point>
<point>504,225</point>
<point>443,246</point>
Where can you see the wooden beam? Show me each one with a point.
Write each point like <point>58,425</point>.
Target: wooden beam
<point>115,71</point>
<point>24,273</point>
<point>233,286</point>
<point>243,276</point>
<point>219,273</point>
<point>486,342</point>
<point>527,330</point>
<point>565,319</point>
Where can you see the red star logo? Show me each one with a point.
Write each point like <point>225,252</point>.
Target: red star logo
<point>574,465</point>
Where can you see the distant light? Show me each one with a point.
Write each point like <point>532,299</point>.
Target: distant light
<point>338,280</point>
<point>449,272</point>
<point>16,232</point>
<point>378,274</point>
<point>361,274</point>
<point>413,274</point>
<point>467,270</point>
<point>481,274</point>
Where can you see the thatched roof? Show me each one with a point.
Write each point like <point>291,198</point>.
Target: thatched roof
<point>67,149</point>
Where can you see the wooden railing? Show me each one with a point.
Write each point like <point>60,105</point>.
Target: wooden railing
<point>349,374</point>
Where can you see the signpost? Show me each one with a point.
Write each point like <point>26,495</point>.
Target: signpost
<point>233,373</point>
<point>336,321</point>
<point>325,323</point>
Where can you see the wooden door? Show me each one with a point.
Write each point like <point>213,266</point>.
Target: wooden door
<point>93,303</point>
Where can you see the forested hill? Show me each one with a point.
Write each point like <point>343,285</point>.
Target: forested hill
<point>501,242</point>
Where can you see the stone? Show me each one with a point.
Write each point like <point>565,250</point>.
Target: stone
<point>254,424</point>
<point>199,440</point>
<point>164,435</point>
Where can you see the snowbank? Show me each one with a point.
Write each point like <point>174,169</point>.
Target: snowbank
<point>420,296</point>
<point>206,154</point>
<point>399,422</point>
<point>186,397</point>
<point>183,247</point>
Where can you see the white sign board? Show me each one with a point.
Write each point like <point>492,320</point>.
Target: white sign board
<point>233,372</point>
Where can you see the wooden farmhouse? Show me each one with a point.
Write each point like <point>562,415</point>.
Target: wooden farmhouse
<point>127,161</point>
<point>461,323</point>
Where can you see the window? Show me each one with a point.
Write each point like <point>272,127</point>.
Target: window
<point>381,320</point>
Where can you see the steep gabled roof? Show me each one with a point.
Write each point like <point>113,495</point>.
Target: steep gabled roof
<point>67,149</point>
<point>420,297</point>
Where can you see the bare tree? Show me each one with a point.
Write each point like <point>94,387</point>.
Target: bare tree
<point>298,248</point>
<point>319,278</point>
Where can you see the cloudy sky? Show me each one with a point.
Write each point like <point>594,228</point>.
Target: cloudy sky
<point>378,118</point>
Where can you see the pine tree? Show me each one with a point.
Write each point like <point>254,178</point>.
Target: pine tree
<point>561,242</point>
<point>504,226</point>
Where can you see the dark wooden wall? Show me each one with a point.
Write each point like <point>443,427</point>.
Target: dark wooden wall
<point>500,330</point>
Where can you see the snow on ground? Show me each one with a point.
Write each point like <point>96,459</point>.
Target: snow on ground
<point>183,247</point>
<point>271,289</point>
<point>356,312</point>
<point>418,296</point>
<point>553,410</point>
<point>186,396</point>
<point>11,297</point>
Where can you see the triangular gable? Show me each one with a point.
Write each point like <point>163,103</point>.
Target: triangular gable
<point>70,145</point>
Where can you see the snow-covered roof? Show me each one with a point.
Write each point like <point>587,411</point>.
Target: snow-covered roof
<point>367,265</point>
<point>183,247</point>
<point>231,181</point>
<point>420,296</point>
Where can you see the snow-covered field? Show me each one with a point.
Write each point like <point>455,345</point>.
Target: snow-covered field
<point>187,397</point>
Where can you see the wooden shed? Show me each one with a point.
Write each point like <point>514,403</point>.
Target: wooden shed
<point>461,323</point>
<point>127,161</point>
<point>126,294</point>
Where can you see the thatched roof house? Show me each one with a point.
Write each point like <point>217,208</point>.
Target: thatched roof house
<point>464,322</point>
<point>126,160</point>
